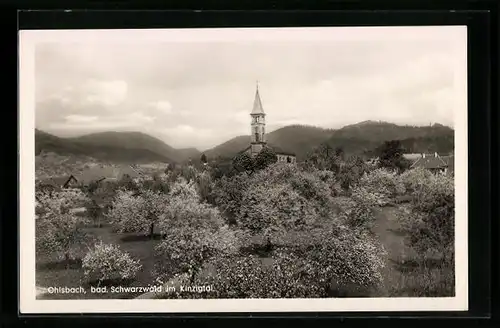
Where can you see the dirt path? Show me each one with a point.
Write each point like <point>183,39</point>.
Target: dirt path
<point>388,229</point>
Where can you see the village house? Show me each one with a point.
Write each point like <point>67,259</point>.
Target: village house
<point>106,173</point>
<point>58,183</point>
<point>431,162</point>
<point>258,134</point>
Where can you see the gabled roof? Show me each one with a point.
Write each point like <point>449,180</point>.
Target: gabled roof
<point>59,181</point>
<point>430,161</point>
<point>257,104</point>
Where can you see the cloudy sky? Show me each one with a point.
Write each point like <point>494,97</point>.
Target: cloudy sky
<point>196,88</point>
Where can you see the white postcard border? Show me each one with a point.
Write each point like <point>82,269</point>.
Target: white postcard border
<point>27,296</point>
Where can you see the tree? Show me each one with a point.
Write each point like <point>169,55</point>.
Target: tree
<point>58,230</point>
<point>95,212</point>
<point>325,157</point>
<point>391,156</point>
<point>339,152</point>
<point>137,212</point>
<point>352,171</point>
<point>108,261</point>
<point>243,163</point>
<point>264,158</point>
<point>281,199</point>
<point>203,158</point>
<point>191,233</point>
<point>228,193</point>
<point>329,263</point>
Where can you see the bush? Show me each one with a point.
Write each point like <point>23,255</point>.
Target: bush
<point>358,211</point>
<point>433,218</point>
<point>108,262</point>
<point>383,184</point>
<point>430,222</point>
<point>414,179</point>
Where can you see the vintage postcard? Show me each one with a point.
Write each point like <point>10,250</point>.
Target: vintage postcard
<point>243,170</point>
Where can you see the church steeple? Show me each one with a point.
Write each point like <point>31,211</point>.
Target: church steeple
<point>257,103</point>
<point>258,125</point>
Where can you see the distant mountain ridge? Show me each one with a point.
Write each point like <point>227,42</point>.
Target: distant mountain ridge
<point>137,140</point>
<point>128,147</point>
<point>362,138</point>
<point>299,139</point>
<point>365,137</point>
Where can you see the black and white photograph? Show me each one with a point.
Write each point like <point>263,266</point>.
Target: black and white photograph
<point>244,169</point>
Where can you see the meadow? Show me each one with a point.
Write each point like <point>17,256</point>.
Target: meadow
<point>331,226</point>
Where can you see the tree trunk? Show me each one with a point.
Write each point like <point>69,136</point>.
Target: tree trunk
<point>269,245</point>
<point>192,276</point>
<point>151,230</point>
<point>66,260</point>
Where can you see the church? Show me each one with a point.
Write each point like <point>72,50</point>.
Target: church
<point>258,134</point>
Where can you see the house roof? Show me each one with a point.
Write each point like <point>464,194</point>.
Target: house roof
<point>430,161</point>
<point>280,151</point>
<point>58,181</point>
<point>106,172</point>
<point>412,157</point>
<point>257,104</point>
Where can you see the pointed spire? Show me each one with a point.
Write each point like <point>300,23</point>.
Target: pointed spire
<point>257,103</point>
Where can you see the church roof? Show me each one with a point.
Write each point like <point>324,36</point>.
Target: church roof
<point>257,104</point>
<point>277,150</point>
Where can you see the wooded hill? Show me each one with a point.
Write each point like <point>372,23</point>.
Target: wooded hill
<point>361,138</point>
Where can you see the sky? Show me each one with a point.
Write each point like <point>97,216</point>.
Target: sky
<point>195,88</point>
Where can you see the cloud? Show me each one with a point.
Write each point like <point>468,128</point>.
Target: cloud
<point>406,76</point>
<point>162,106</point>
<point>108,93</point>
<point>135,120</point>
<point>81,118</point>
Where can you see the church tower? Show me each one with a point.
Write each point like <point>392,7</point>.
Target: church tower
<point>258,125</point>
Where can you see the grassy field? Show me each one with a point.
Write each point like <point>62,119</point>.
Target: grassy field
<point>54,273</point>
<point>404,275</point>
